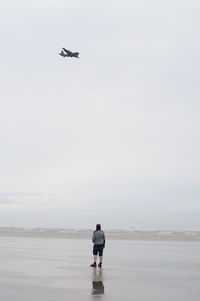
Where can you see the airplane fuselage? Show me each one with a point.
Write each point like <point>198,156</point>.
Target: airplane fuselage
<point>69,53</point>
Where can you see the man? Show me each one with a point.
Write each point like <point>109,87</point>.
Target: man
<point>98,239</point>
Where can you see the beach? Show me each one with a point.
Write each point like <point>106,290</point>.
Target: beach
<point>58,269</point>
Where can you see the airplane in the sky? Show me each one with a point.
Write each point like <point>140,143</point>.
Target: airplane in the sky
<point>69,53</point>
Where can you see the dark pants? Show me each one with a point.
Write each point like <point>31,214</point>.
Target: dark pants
<point>98,249</point>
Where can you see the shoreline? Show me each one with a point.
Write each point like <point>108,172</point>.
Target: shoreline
<point>193,236</point>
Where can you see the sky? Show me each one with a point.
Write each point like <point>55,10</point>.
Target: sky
<point>111,137</point>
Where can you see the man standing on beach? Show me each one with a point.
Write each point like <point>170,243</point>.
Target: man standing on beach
<point>98,239</point>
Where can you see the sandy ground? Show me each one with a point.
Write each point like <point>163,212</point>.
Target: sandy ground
<point>58,269</point>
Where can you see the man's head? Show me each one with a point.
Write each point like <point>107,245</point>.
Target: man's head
<point>98,227</point>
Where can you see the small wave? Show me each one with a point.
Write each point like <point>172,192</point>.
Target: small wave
<point>110,234</point>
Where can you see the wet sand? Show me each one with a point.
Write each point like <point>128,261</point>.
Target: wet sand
<point>58,269</point>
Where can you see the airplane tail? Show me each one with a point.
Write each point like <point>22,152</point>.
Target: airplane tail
<point>62,54</point>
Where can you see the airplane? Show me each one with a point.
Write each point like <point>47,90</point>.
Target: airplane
<point>69,53</point>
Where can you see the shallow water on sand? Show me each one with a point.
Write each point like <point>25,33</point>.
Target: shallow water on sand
<point>58,269</point>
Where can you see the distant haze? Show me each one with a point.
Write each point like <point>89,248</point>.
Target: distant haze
<point>112,137</point>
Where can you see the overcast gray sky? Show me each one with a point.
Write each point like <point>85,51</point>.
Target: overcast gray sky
<point>112,137</point>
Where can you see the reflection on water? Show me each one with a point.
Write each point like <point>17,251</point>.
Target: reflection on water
<point>97,282</point>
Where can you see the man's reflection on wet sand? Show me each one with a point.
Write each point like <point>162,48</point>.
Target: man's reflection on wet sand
<point>97,282</point>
